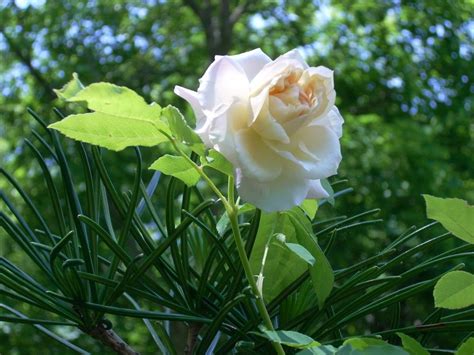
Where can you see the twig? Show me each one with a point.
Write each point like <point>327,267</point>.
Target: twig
<point>193,331</point>
<point>109,338</point>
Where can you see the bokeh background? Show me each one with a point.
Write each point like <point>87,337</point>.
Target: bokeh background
<point>403,74</point>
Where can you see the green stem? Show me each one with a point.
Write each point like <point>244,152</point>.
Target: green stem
<point>198,169</point>
<point>233,213</point>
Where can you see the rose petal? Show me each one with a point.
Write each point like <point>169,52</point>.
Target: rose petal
<point>283,112</point>
<point>252,62</point>
<point>294,54</point>
<point>224,123</point>
<point>256,159</point>
<point>323,144</point>
<point>221,83</point>
<point>202,125</point>
<point>316,190</point>
<point>270,74</point>
<point>282,193</point>
<point>333,120</point>
<point>269,128</point>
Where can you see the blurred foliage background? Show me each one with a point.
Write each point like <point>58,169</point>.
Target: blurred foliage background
<point>403,72</point>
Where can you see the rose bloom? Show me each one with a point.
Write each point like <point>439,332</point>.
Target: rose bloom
<point>274,120</point>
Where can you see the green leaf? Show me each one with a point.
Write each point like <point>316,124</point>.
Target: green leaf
<point>454,214</point>
<point>301,252</point>
<point>290,338</point>
<point>179,128</point>
<point>121,119</point>
<point>327,186</point>
<point>310,207</point>
<point>217,161</point>
<point>369,346</point>
<point>222,223</point>
<point>321,272</point>
<point>412,346</point>
<point>319,350</point>
<point>466,348</point>
<point>282,266</point>
<point>70,89</point>
<point>246,207</point>
<point>454,290</point>
<point>117,100</point>
<point>178,167</point>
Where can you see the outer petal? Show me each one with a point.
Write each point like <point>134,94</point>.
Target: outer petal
<point>280,194</point>
<point>333,120</point>
<point>221,83</point>
<point>320,151</point>
<point>224,124</point>
<point>256,160</point>
<point>294,54</point>
<point>316,190</point>
<point>202,125</point>
<point>252,62</point>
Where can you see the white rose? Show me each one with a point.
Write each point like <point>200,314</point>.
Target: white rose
<point>274,120</point>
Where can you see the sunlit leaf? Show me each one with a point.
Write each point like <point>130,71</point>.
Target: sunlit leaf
<point>454,214</point>
<point>178,167</point>
<point>179,128</point>
<point>310,207</point>
<point>70,89</point>
<point>466,348</point>
<point>121,119</point>
<point>454,290</point>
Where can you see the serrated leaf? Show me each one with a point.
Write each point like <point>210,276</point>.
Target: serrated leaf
<point>466,348</point>
<point>321,272</point>
<point>454,290</point>
<point>122,118</point>
<point>179,128</point>
<point>111,132</point>
<point>217,161</point>
<point>117,100</point>
<point>454,214</point>
<point>412,346</point>
<point>310,207</point>
<point>178,167</point>
<point>290,338</point>
<point>70,89</point>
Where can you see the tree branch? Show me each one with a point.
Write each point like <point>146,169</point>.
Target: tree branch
<point>110,339</point>
<point>238,12</point>
<point>193,331</point>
